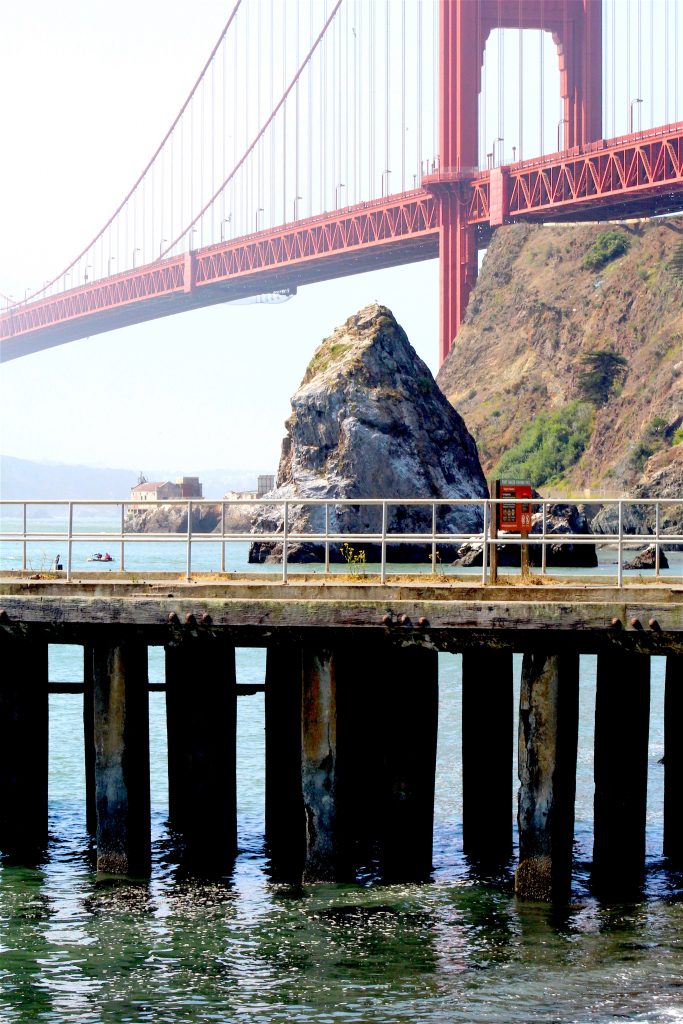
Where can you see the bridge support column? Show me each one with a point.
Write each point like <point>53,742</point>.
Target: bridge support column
<point>673,759</point>
<point>201,718</point>
<point>622,719</point>
<point>122,757</point>
<point>410,718</point>
<point>285,821</point>
<point>457,270</point>
<point>23,746</point>
<point>487,746</point>
<point>89,739</point>
<point>548,731</point>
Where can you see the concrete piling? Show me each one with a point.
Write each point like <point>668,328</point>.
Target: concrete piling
<point>673,759</point>
<point>201,716</point>
<point>548,732</point>
<point>622,719</point>
<point>122,757</point>
<point>23,746</point>
<point>487,747</point>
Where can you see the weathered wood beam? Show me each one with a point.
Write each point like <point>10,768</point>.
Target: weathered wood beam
<point>548,733</point>
<point>122,757</point>
<point>319,764</point>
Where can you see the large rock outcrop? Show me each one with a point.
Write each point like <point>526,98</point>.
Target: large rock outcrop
<point>369,421</point>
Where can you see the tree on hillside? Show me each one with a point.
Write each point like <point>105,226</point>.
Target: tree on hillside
<point>604,368</point>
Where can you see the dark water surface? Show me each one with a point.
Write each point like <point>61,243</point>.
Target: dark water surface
<point>460,949</point>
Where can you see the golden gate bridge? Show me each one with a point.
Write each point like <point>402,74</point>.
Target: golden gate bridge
<point>324,138</point>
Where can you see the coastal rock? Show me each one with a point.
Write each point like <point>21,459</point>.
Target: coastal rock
<point>172,519</point>
<point>646,559</point>
<point>560,518</point>
<point>368,421</point>
<point>607,520</point>
<point>663,478</point>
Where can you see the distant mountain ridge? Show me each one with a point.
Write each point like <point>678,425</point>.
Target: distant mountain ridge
<point>23,478</point>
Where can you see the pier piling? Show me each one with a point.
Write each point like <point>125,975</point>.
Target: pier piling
<point>487,747</point>
<point>411,711</point>
<point>201,717</point>
<point>122,757</point>
<point>23,746</point>
<point>548,735</point>
<point>319,764</point>
<point>89,740</point>
<point>622,720</point>
<point>673,759</point>
<point>285,820</point>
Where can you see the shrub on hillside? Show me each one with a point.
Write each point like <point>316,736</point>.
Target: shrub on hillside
<point>608,246</point>
<point>605,368</point>
<point>549,445</point>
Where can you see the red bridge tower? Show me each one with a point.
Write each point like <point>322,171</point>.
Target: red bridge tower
<point>576,27</point>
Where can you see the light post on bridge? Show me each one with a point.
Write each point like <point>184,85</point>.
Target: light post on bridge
<point>226,220</point>
<point>134,251</point>
<point>296,207</point>
<point>161,246</point>
<point>259,210</point>
<point>337,191</point>
<point>110,260</point>
<point>85,275</point>
<point>493,150</point>
<point>385,181</point>
<point>630,119</point>
<point>562,147</point>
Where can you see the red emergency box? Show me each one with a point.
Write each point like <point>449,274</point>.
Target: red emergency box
<point>514,515</point>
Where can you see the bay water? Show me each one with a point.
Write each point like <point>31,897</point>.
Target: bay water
<point>460,948</point>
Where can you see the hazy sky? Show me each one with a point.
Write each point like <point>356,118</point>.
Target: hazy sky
<point>88,89</point>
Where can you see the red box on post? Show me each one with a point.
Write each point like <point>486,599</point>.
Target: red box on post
<point>514,515</point>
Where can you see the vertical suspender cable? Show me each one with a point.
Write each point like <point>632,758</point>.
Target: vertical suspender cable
<point>666,63</point>
<point>418,132</point>
<point>387,91</point>
<point>520,85</point>
<point>371,104</point>
<point>614,67</point>
<point>652,64</point>
<point>639,37</point>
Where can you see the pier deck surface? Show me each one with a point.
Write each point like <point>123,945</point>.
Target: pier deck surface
<point>645,614</point>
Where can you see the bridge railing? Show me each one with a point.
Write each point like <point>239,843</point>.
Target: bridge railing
<point>279,533</point>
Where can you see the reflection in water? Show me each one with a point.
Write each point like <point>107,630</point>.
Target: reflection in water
<point>461,950</point>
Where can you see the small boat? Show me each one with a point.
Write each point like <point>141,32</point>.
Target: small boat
<point>98,557</point>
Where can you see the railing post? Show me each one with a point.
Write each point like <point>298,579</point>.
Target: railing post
<point>433,538</point>
<point>285,531</point>
<point>69,542</point>
<point>188,568</point>
<point>657,555</point>
<point>383,558</point>
<point>23,546</point>
<point>485,549</point>
<point>222,536</point>
<point>544,547</point>
<point>327,543</point>
<point>620,547</point>
<point>123,543</point>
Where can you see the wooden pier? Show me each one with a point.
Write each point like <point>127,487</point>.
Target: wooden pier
<point>351,697</point>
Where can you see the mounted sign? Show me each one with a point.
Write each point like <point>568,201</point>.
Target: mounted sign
<point>514,515</point>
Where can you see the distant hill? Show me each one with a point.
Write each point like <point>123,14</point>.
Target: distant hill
<point>568,369</point>
<point>22,478</point>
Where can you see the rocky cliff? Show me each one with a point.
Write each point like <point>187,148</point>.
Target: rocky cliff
<point>569,366</point>
<point>369,421</point>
